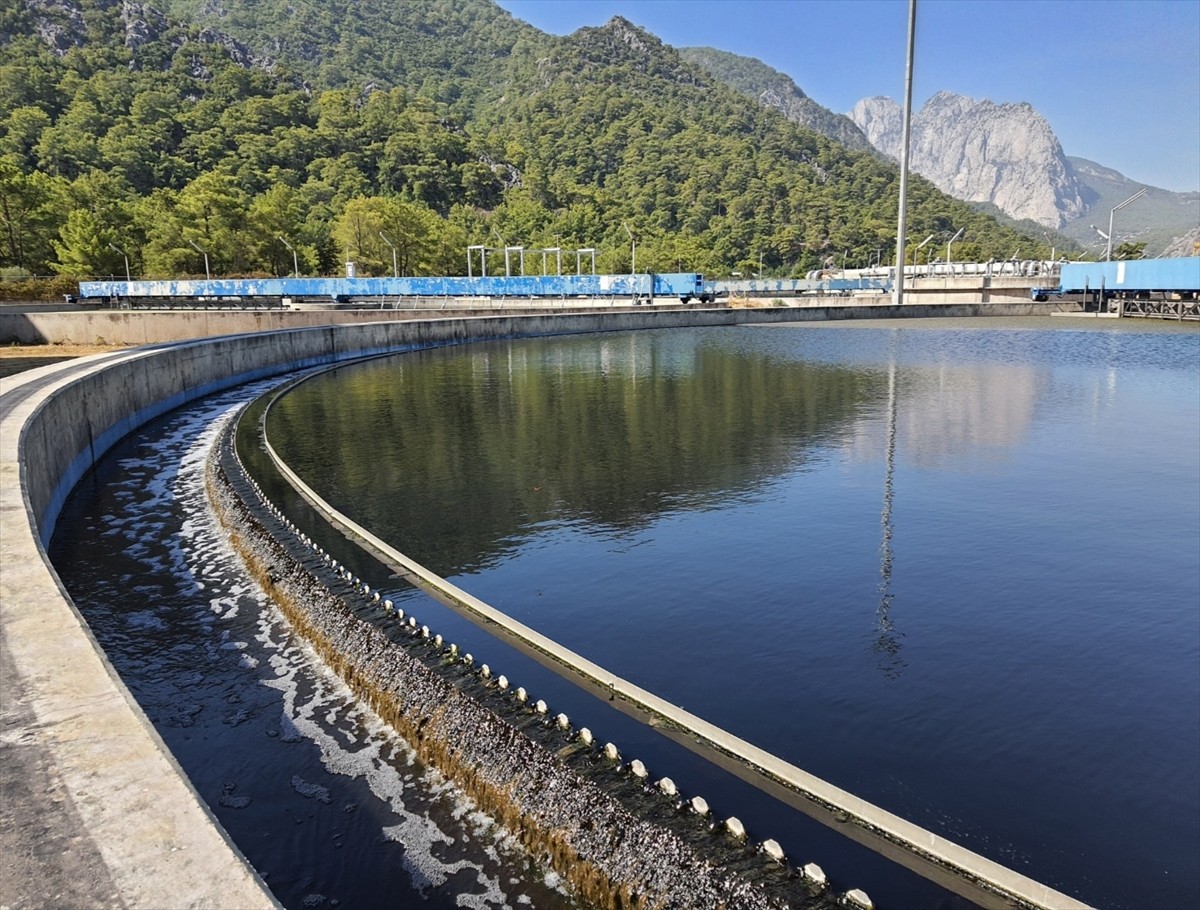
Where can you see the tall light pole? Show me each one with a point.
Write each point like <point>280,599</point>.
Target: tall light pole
<point>1053,248</point>
<point>961,231</point>
<point>901,225</point>
<point>1138,195</point>
<point>207,273</point>
<point>295,260</point>
<point>395,268</point>
<point>921,246</point>
<point>117,249</point>
<point>632,250</point>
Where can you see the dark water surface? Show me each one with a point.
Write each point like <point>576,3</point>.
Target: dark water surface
<point>953,568</point>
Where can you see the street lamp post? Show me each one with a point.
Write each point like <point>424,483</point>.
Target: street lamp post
<point>295,259</point>
<point>503,246</point>
<point>207,273</point>
<point>1053,248</point>
<point>920,246</point>
<point>117,249</point>
<point>961,231</point>
<point>395,268</point>
<point>632,250</point>
<point>906,134</point>
<point>1138,195</point>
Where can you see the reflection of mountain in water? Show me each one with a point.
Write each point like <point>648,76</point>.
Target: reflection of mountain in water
<point>948,414</point>
<point>452,454</point>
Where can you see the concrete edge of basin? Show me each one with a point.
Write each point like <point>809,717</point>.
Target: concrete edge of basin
<point>124,798</point>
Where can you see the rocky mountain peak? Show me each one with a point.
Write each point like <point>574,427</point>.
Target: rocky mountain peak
<point>628,33</point>
<point>882,122</point>
<point>980,151</point>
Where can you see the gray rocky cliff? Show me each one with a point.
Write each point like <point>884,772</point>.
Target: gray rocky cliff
<point>980,151</point>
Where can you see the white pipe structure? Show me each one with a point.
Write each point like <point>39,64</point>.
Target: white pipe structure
<point>482,259</point>
<point>557,251</point>
<point>632,251</point>
<point>520,251</point>
<point>902,219</point>
<point>578,259</point>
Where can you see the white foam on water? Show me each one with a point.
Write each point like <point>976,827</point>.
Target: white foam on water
<point>201,569</point>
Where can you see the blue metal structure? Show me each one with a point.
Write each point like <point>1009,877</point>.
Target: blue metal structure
<point>844,283</point>
<point>684,285</point>
<point>1137,278</point>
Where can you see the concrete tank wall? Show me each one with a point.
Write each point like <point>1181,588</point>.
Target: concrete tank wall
<point>157,327</point>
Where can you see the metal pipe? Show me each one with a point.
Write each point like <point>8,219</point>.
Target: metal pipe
<point>395,268</point>
<point>117,249</point>
<point>950,241</point>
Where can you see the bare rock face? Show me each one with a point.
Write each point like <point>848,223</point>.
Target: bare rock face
<point>980,151</point>
<point>1187,244</point>
<point>882,122</point>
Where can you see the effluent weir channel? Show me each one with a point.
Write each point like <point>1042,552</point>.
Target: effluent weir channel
<point>279,649</point>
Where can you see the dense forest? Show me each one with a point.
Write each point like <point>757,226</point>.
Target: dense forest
<point>262,135</point>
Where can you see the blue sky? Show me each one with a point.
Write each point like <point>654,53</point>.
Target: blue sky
<point>1118,80</point>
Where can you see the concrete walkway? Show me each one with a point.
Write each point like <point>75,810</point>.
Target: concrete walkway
<point>94,811</point>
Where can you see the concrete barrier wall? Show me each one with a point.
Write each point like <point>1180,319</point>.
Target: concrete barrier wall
<point>157,327</point>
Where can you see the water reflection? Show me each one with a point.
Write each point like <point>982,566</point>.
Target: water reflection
<point>887,641</point>
<point>953,415</point>
<point>703,513</point>
<point>611,432</point>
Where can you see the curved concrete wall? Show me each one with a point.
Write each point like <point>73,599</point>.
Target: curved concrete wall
<point>158,326</point>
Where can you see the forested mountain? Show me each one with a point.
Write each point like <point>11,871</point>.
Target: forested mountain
<point>778,90</point>
<point>243,126</point>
